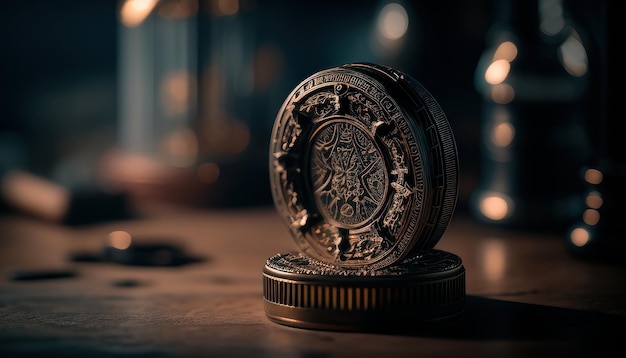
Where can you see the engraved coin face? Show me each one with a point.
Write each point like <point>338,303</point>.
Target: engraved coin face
<point>363,166</point>
<point>347,173</point>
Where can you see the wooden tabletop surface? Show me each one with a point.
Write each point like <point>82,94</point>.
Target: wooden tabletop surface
<point>526,296</point>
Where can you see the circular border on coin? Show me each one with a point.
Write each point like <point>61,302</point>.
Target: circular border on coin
<point>363,166</point>
<point>424,292</point>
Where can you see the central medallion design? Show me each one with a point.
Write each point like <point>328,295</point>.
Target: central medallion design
<point>348,173</point>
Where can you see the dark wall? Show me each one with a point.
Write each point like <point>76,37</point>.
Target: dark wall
<point>59,68</point>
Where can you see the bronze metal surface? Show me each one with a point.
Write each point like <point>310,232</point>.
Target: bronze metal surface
<point>363,166</point>
<point>424,292</point>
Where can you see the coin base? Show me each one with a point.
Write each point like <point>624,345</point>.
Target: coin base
<point>421,292</point>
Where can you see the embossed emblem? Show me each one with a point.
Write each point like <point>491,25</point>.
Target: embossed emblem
<point>356,173</point>
<point>348,174</point>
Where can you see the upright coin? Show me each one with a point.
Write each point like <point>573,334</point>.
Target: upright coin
<point>363,166</point>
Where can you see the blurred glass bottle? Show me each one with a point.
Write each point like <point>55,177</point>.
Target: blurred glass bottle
<point>157,79</point>
<point>157,146</point>
<point>195,105</point>
<point>533,78</point>
<point>597,232</point>
<point>237,74</point>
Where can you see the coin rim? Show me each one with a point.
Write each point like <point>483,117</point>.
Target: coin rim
<point>329,302</point>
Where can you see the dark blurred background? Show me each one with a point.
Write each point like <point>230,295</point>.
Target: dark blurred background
<point>175,100</point>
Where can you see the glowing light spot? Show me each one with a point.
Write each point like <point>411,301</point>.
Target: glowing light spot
<point>503,134</point>
<point>227,7</point>
<point>240,137</point>
<point>506,51</point>
<point>494,207</point>
<point>208,172</point>
<point>502,93</point>
<point>591,217</point>
<point>594,200</point>
<point>493,254</point>
<point>134,12</point>
<point>497,71</point>
<point>593,176</point>
<point>574,56</point>
<point>182,147</point>
<point>393,21</point>
<point>120,240</point>
<point>175,92</point>
<point>179,9</point>
<point>579,237</point>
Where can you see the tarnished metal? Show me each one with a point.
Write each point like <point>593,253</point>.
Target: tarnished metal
<point>363,167</point>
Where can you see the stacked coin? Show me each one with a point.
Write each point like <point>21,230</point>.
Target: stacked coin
<point>364,172</point>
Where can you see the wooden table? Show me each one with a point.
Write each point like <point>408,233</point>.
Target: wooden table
<point>526,296</point>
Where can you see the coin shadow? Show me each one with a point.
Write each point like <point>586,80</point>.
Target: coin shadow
<point>492,319</point>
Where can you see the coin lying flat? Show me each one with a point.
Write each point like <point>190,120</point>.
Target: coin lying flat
<point>425,292</point>
<point>363,166</point>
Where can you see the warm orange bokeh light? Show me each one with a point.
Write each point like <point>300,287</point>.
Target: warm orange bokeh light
<point>591,217</point>
<point>503,134</point>
<point>506,51</point>
<point>494,208</point>
<point>593,176</point>
<point>502,93</point>
<point>594,200</point>
<point>120,239</point>
<point>497,71</point>
<point>134,12</point>
<point>579,237</point>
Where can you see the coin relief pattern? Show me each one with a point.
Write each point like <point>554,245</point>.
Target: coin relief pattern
<point>432,261</point>
<point>347,171</point>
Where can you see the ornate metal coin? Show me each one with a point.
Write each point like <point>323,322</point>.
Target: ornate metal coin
<point>427,291</point>
<point>363,166</point>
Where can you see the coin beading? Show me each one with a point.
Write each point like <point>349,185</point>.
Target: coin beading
<point>432,261</point>
<point>363,167</point>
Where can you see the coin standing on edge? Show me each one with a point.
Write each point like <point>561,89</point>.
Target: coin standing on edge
<point>363,167</point>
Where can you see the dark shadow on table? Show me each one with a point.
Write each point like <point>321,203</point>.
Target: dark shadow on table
<point>498,320</point>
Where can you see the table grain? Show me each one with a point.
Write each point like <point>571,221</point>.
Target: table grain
<point>526,295</point>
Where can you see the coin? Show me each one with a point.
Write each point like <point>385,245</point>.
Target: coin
<point>427,291</point>
<point>363,166</point>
